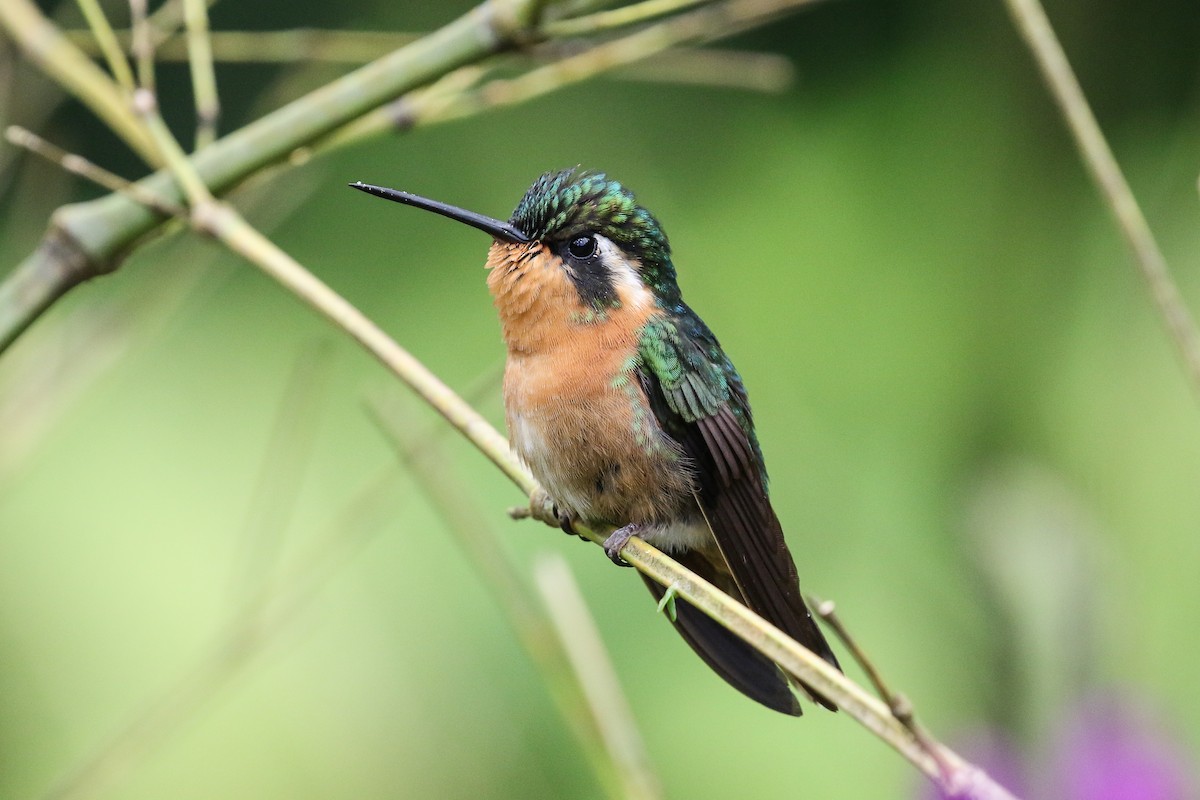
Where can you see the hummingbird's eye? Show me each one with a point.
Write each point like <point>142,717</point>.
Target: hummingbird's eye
<point>582,247</point>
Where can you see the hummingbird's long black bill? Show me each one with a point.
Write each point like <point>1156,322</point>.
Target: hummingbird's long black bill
<point>498,229</point>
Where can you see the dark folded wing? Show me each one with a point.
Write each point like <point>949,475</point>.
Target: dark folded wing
<point>698,400</point>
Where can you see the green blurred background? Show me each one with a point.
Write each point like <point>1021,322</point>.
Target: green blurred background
<point>981,443</point>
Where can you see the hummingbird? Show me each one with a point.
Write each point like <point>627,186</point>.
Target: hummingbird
<point>624,406</point>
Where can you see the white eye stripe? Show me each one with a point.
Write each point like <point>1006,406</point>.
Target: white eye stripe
<point>624,274</point>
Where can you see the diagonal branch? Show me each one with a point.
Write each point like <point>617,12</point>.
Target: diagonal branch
<point>1030,19</point>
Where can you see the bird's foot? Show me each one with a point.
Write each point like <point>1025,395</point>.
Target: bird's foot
<point>543,508</point>
<point>617,540</point>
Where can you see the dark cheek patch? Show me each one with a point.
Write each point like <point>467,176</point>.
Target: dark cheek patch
<point>593,283</point>
<point>592,280</point>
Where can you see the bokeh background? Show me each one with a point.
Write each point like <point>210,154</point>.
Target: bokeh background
<point>981,443</point>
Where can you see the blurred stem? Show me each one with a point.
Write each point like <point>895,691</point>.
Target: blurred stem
<point>247,631</point>
<point>535,631</point>
<point>143,45</point>
<point>735,69</point>
<point>106,39</point>
<point>169,18</point>
<point>576,629</point>
<point>43,44</point>
<point>285,47</point>
<point>1033,25</point>
<point>899,704</point>
<point>281,475</point>
<point>455,98</point>
<point>204,77</point>
<point>244,635</point>
<point>78,165</point>
<point>618,17</point>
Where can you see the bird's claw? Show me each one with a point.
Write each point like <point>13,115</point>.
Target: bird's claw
<point>617,540</point>
<point>543,508</point>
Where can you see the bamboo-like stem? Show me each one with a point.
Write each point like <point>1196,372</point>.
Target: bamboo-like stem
<point>690,28</point>
<point>1033,25</point>
<point>204,76</point>
<point>90,238</point>
<point>579,635</point>
<point>43,44</point>
<point>106,39</point>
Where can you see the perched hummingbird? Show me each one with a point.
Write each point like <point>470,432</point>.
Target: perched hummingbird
<point>625,408</point>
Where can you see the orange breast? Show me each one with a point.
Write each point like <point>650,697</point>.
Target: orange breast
<point>576,412</point>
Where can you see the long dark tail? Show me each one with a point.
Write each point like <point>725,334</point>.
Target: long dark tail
<point>740,665</point>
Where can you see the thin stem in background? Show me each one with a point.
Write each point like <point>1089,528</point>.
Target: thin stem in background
<point>281,475</point>
<point>901,707</point>
<point>624,16</point>
<point>1033,25</point>
<point>576,629</point>
<point>734,69</point>
<point>143,44</point>
<point>244,635</point>
<point>169,18</point>
<point>106,39</point>
<point>78,165</point>
<point>534,629</point>
<point>272,47</point>
<point>204,76</point>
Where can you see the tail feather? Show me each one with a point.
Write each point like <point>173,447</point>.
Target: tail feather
<point>740,665</point>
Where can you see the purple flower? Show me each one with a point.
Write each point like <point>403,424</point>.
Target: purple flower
<point>1115,750</point>
<point>1107,748</point>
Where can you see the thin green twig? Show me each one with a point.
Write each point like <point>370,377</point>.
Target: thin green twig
<point>273,47</point>
<point>78,165</point>
<point>169,18</point>
<point>281,475</point>
<point>143,44</point>
<point>632,14</point>
<point>106,40</point>
<point>1033,25</point>
<point>204,77</point>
